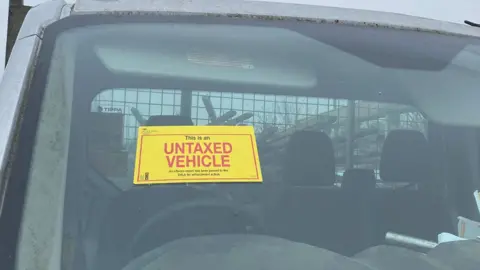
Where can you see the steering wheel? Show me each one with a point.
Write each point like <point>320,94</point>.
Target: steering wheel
<point>194,218</point>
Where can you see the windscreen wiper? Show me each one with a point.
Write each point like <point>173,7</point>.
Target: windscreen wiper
<point>471,23</point>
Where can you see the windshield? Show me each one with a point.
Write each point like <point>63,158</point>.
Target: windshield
<point>342,148</point>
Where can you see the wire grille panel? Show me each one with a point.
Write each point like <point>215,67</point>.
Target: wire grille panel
<point>274,117</point>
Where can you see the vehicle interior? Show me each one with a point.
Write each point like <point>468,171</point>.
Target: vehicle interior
<point>307,195</point>
<point>342,166</point>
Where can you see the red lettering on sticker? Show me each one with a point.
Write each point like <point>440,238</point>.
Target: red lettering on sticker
<point>188,147</point>
<point>170,161</point>
<point>179,148</point>
<point>217,148</point>
<point>166,150</point>
<point>180,162</point>
<point>216,162</point>
<point>198,149</point>
<point>190,161</point>
<point>227,148</point>
<point>225,160</point>
<point>207,148</point>
<point>196,154</point>
<point>206,163</point>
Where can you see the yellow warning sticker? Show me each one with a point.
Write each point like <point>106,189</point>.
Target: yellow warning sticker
<point>196,154</point>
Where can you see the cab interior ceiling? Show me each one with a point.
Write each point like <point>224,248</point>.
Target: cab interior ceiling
<point>393,58</point>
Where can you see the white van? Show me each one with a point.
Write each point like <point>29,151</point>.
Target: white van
<point>384,103</point>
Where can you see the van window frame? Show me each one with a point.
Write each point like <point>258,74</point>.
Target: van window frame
<point>16,181</point>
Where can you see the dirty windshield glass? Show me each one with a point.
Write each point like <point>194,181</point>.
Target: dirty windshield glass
<point>332,142</point>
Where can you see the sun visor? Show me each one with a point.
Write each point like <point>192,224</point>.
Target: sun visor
<point>233,54</point>
<point>204,64</point>
<point>452,100</point>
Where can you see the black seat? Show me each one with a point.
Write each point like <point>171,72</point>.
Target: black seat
<point>169,120</point>
<point>358,220</point>
<point>309,160</point>
<point>409,209</point>
<point>404,158</point>
<point>308,210</point>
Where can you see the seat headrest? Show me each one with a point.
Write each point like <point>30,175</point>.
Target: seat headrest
<point>310,159</point>
<point>404,157</point>
<point>358,179</point>
<point>169,120</point>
